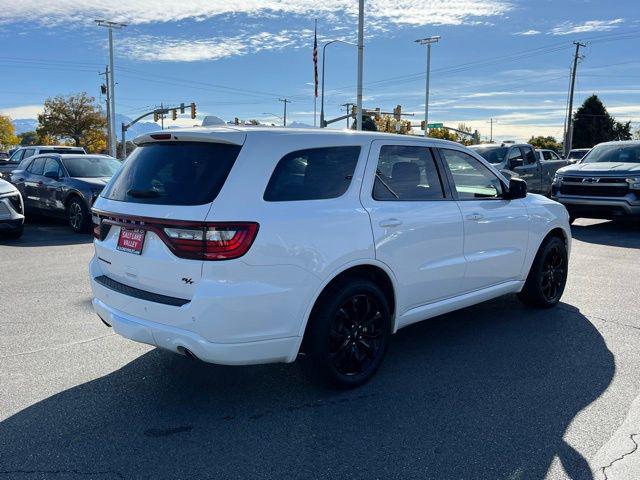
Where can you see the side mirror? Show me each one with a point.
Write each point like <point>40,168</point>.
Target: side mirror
<point>52,175</point>
<point>517,189</point>
<point>515,162</point>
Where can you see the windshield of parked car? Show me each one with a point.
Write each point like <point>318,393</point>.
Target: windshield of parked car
<point>576,154</point>
<point>91,167</point>
<point>618,153</point>
<point>492,154</point>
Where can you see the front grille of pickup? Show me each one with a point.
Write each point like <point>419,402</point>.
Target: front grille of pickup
<point>111,284</point>
<point>594,187</point>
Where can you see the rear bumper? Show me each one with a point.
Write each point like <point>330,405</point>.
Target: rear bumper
<point>254,320</point>
<point>175,339</point>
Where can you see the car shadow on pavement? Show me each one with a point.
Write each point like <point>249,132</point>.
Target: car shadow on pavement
<point>47,232</point>
<point>484,393</point>
<point>611,233</point>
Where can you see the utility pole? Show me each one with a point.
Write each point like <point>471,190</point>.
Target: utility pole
<point>104,89</point>
<point>360,64</point>
<point>285,101</point>
<point>348,107</point>
<point>569,136</point>
<point>162,116</point>
<point>428,42</point>
<point>112,97</point>
<point>491,121</point>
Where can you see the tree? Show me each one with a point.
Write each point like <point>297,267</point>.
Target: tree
<point>592,124</point>
<point>636,135</point>
<point>389,124</point>
<point>442,133</point>
<point>75,117</point>
<point>464,139</point>
<point>7,132</point>
<point>549,143</point>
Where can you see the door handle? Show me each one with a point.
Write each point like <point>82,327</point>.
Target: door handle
<point>475,216</point>
<point>390,222</point>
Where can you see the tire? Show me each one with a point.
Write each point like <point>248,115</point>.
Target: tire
<point>348,334</point>
<point>78,215</point>
<point>548,275</point>
<point>15,234</point>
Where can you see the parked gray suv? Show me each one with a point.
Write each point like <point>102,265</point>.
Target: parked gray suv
<point>605,184</point>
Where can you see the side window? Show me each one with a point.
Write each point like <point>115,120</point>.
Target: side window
<point>37,166</point>
<point>51,165</point>
<point>529,155</point>
<point>313,174</point>
<point>546,154</point>
<point>554,156</point>
<point>29,152</point>
<point>471,178</point>
<point>17,156</point>
<point>25,163</point>
<point>406,173</point>
<point>515,154</point>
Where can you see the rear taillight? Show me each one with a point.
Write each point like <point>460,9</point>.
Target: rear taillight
<point>218,241</point>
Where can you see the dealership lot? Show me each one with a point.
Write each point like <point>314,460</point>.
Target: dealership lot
<point>493,391</point>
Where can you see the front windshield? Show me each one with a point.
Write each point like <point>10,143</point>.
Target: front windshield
<point>492,154</point>
<point>618,153</point>
<point>91,167</point>
<point>576,154</point>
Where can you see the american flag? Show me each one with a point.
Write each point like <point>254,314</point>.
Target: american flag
<point>315,58</point>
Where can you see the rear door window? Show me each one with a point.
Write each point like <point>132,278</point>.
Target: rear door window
<point>529,156</point>
<point>37,166</point>
<point>313,174</point>
<point>173,173</point>
<point>406,173</point>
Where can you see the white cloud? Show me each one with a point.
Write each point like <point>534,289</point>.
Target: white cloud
<point>152,48</point>
<point>379,12</point>
<point>528,32</point>
<point>569,28</point>
<point>24,111</point>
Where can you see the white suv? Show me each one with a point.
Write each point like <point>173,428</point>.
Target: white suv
<point>250,245</point>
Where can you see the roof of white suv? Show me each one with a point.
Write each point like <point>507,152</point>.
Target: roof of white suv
<point>237,134</point>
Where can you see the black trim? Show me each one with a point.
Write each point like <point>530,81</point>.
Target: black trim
<point>137,293</point>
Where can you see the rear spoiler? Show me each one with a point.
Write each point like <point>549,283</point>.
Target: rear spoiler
<point>218,135</point>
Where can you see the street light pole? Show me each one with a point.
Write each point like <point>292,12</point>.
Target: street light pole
<point>324,48</point>
<point>428,42</point>
<point>112,121</point>
<point>360,64</point>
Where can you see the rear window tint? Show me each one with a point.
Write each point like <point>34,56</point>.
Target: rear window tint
<point>62,150</point>
<point>37,166</point>
<point>173,173</point>
<point>313,174</point>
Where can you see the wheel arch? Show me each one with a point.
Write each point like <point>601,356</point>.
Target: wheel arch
<point>373,270</point>
<point>71,194</point>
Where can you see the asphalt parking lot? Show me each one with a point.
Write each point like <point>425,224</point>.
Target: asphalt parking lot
<point>496,391</point>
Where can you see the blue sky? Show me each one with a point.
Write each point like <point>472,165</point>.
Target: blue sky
<point>504,59</point>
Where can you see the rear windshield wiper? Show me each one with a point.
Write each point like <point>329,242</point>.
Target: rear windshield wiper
<point>146,193</point>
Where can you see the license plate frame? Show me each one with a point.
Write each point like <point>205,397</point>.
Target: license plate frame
<point>131,240</point>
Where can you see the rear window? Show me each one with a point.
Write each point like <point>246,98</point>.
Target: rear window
<point>62,150</point>
<point>313,174</point>
<point>173,173</point>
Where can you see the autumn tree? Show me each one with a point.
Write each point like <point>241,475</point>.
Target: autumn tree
<point>442,133</point>
<point>389,124</point>
<point>7,132</point>
<point>76,117</point>
<point>461,137</point>
<point>548,143</point>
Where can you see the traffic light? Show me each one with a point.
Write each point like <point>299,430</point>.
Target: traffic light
<point>397,112</point>
<point>174,114</point>
<point>182,108</point>
<point>423,124</point>
<point>377,113</point>
<point>155,116</point>
<point>103,89</point>
<point>193,110</point>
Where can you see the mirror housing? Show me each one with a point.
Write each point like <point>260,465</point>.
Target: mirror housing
<point>515,162</point>
<point>517,189</point>
<point>52,175</point>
